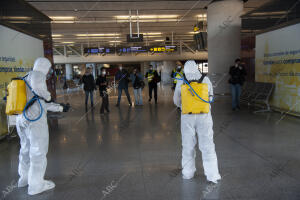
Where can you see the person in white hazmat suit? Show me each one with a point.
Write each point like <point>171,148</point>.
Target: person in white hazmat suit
<point>201,124</point>
<point>34,136</point>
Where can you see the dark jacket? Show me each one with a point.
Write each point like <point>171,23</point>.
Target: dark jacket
<point>122,78</point>
<point>136,80</point>
<point>88,82</point>
<point>237,75</point>
<point>102,83</point>
<point>152,77</point>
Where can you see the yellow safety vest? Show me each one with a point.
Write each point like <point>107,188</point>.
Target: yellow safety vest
<point>150,76</point>
<point>191,104</point>
<point>178,75</point>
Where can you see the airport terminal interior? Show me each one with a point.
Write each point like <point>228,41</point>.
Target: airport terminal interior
<point>150,99</point>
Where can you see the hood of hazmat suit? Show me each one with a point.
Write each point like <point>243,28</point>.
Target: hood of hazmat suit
<point>34,136</point>
<point>200,124</point>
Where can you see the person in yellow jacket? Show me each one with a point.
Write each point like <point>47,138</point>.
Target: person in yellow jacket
<point>179,74</point>
<point>153,78</point>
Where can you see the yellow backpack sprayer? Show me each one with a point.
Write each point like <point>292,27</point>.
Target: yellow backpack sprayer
<point>194,96</point>
<point>17,99</point>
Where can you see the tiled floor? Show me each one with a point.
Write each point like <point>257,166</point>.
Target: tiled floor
<point>134,153</point>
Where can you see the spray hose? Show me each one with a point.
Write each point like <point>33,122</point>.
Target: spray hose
<point>31,102</point>
<point>193,91</point>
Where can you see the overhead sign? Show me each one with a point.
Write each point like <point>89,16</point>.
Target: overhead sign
<point>96,50</point>
<point>135,38</point>
<point>132,49</point>
<point>163,49</point>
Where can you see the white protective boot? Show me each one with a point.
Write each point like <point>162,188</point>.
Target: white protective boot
<point>46,185</point>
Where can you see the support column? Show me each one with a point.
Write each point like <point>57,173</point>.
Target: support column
<point>166,71</point>
<point>224,40</point>
<point>69,71</point>
<point>145,67</point>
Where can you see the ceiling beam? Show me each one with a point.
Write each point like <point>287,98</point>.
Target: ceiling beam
<point>97,1</point>
<point>150,9</point>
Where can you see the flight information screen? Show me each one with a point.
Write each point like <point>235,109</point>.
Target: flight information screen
<point>96,50</point>
<point>132,49</point>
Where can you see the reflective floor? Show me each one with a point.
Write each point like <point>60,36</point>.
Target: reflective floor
<point>134,153</point>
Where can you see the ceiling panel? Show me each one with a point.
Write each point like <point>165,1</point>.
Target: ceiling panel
<point>93,16</point>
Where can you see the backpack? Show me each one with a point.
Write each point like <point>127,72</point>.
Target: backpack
<point>191,103</point>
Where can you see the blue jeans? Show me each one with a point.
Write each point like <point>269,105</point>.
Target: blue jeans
<point>236,93</point>
<point>87,94</point>
<point>120,94</point>
<point>138,96</point>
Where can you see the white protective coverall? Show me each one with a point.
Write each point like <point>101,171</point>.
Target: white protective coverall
<point>34,136</point>
<point>201,124</point>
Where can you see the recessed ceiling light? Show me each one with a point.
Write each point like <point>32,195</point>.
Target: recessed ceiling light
<point>159,40</point>
<point>68,42</point>
<point>57,35</point>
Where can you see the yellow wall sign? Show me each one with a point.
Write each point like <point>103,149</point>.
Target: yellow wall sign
<point>278,61</point>
<point>18,52</point>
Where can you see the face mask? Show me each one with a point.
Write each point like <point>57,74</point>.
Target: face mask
<point>120,68</point>
<point>178,67</point>
<point>103,72</point>
<point>236,64</point>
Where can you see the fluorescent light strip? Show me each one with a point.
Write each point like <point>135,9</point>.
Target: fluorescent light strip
<point>17,17</point>
<point>111,21</point>
<point>62,17</point>
<point>269,13</point>
<point>62,22</point>
<point>97,34</point>
<point>57,35</point>
<point>148,20</point>
<point>153,33</point>
<point>147,16</point>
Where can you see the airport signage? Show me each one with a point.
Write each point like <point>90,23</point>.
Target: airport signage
<point>169,48</point>
<point>97,50</point>
<point>132,49</point>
